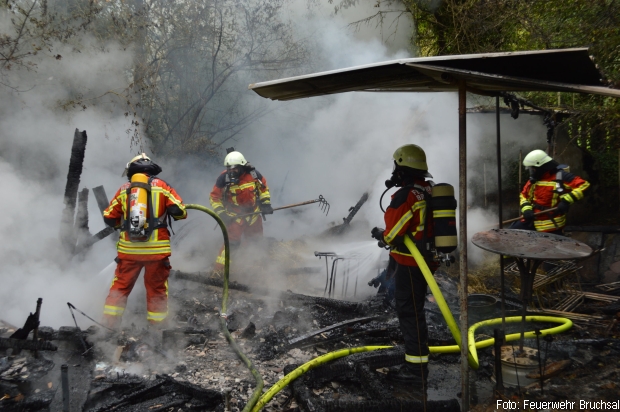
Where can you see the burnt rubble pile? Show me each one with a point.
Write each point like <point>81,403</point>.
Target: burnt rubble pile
<point>131,393</point>
<point>191,366</point>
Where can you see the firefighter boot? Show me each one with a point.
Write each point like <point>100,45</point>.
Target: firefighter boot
<point>410,373</point>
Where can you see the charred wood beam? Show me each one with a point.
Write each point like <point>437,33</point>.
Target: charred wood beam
<point>67,236</point>
<point>375,333</point>
<point>371,386</point>
<point>312,403</point>
<point>341,305</point>
<point>91,240</point>
<point>307,336</point>
<point>81,230</point>
<point>32,322</point>
<point>131,394</point>
<point>392,404</point>
<point>100,235</point>
<point>352,212</point>
<point>203,277</point>
<point>6,343</point>
<point>375,359</point>
<point>102,198</point>
<point>143,392</point>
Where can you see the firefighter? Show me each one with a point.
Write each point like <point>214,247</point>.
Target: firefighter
<point>151,251</point>
<point>406,215</point>
<point>240,190</point>
<point>550,185</point>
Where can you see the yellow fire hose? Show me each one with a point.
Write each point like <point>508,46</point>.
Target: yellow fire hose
<point>565,324</point>
<point>259,380</point>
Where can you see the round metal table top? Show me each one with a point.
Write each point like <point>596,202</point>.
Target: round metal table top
<point>530,244</point>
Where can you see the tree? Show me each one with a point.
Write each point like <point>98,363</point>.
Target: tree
<point>193,63</point>
<point>34,26</point>
<point>447,27</point>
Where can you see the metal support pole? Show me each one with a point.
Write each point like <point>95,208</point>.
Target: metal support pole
<point>500,204</point>
<point>463,244</point>
<point>498,335</point>
<point>64,375</point>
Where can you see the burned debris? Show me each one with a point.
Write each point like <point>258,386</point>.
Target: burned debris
<point>200,361</point>
<point>75,236</point>
<point>191,367</point>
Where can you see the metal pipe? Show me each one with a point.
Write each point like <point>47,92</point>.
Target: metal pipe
<point>540,364</point>
<point>500,200</point>
<point>463,243</point>
<point>498,336</point>
<point>64,376</point>
<point>520,167</point>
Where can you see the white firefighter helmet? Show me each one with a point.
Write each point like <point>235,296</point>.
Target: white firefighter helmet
<point>536,158</point>
<point>234,159</point>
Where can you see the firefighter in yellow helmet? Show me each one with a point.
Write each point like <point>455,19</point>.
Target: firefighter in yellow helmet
<point>406,214</point>
<point>549,186</point>
<point>144,240</point>
<point>239,190</point>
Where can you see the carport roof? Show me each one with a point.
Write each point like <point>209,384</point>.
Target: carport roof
<point>566,70</point>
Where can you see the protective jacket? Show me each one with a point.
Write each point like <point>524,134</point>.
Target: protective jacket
<point>164,200</point>
<point>241,197</point>
<point>237,198</point>
<point>407,214</point>
<point>546,192</point>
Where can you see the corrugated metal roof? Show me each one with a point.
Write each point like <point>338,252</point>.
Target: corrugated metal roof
<point>568,70</point>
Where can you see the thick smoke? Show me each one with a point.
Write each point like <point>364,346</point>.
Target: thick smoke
<point>338,146</point>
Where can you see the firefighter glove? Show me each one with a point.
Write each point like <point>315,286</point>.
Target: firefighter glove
<point>377,233</point>
<point>266,209</point>
<point>528,216</point>
<point>563,207</point>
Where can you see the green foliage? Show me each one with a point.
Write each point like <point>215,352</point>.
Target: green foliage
<point>482,26</point>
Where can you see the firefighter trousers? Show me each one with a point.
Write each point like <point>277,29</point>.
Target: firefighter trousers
<point>156,274</point>
<point>410,296</point>
<point>250,227</point>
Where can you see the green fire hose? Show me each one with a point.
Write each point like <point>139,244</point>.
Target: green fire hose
<point>565,324</point>
<point>259,380</point>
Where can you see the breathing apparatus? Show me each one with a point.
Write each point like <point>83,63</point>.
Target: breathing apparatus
<point>410,162</point>
<point>138,206</point>
<point>140,222</point>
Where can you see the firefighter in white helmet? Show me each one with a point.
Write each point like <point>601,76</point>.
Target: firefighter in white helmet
<point>139,209</point>
<point>240,190</point>
<point>550,185</point>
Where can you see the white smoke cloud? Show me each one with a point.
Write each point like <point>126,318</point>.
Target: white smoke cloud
<point>338,146</point>
<point>36,142</point>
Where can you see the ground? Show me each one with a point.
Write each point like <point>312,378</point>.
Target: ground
<point>195,353</point>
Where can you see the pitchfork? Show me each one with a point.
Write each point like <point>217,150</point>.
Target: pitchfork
<point>323,205</point>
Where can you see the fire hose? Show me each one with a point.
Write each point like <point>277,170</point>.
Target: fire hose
<point>223,317</point>
<point>565,324</point>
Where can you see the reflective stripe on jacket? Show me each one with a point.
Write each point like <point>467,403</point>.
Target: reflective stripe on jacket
<point>406,215</point>
<point>242,197</point>
<point>542,194</point>
<point>163,196</point>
